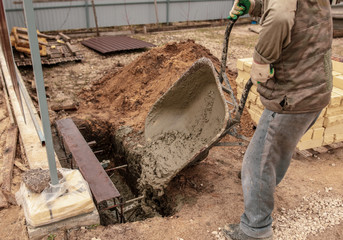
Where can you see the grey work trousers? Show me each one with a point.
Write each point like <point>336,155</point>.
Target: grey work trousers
<point>265,164</point>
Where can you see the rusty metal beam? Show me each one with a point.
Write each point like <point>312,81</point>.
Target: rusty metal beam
<point>100,184</point>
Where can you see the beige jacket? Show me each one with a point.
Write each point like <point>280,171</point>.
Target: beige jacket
<point>296,38</point>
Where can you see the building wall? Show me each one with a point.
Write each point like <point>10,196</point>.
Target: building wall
<point>76,14</point>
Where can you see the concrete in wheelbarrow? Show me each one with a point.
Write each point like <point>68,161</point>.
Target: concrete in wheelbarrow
<point>179,130</point>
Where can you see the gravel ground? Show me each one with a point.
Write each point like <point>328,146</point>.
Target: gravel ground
<point>315,214</point>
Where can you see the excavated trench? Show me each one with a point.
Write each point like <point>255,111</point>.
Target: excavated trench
<point>121,147</point>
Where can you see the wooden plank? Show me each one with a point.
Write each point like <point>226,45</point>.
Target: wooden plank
<point>304,153</point>
<point>8,105</point>
<point>24,30</point>
<point>3,200</point>
<point>64,37</point>
<point>336,145</point>
<point>27,38</point>
<point>321,149</point>
<point>20,166</point>
<point>35,152</point>
<point>42,232</point>
<point>64,106</point>
<point>71,48</point>
<point>8,156</point>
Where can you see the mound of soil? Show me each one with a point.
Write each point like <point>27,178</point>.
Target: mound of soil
<point>125,96</point>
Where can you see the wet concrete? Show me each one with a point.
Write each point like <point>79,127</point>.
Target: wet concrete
<point>181,125</point>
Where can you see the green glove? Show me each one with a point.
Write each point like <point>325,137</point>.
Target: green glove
<point>241,7</point>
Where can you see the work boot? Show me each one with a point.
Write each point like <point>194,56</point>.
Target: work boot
<point>235,233</point>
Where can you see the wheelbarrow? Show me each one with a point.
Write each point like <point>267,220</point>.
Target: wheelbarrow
<point>191,118</point>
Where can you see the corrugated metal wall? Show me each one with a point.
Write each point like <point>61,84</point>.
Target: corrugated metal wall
<point>76,14</point>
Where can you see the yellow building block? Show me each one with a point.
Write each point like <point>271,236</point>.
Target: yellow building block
<point>337,90</point>
<point>240,64</point>
<point>239,82</point>
<point>328,139</point>
<point>340,92</point>
<point>338,81</point>
<point>255,117</point>
<point>252,97</point>
<point>334,73</point>
<point>318,133</point>
<point>337,66</point>
<point>244,75</point>
<point>254,89</point>
<point>335,100</point>
<point>259,104</point>
<point>334,111</point>
<point>307,136</point>
<point>337,129</point>
<point>255,113</point>
<point>319,123</point>
<point>242,78</point>
<point>256,109</point>
<point>338,137</point>
<point>310,144</point>
<point>334,120</point>
<point>247,65</point>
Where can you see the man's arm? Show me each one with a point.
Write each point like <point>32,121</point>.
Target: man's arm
<point>257,11</point>
<point>277,22</point>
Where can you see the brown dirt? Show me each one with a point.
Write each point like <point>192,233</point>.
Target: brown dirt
<point>124,97</point>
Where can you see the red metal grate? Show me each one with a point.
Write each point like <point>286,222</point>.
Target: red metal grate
<point>107,44</point>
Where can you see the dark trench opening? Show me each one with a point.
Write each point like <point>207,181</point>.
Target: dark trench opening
<point>113,150</point>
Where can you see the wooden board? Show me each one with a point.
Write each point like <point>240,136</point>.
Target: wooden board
<point>319,150</point>
<point>34,151</point>
<point>8,156</point>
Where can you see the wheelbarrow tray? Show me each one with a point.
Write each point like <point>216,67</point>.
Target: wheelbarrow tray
<point>183,124</point>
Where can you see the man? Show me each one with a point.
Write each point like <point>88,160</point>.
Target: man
<point>293,73</point>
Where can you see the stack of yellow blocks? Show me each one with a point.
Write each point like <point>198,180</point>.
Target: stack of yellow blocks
<point>328,128</point>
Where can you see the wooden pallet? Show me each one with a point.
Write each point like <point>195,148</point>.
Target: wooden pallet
<point>318,150</point>
<point>57,52</point>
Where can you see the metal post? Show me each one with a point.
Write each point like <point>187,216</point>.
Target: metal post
<point>38,73</point>
<point>168,3</point>
<point>156,13</point>
<point>95,19</point>
<point>87,14</point>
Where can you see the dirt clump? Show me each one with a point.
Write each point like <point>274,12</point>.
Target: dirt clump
<point>124,97</point>
<point>36,180</point>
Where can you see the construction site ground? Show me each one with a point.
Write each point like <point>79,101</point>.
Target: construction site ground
<point>207,196</point>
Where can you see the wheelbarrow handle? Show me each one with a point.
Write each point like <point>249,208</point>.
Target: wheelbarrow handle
<point>233,122</point>
<point>225,48</point>
<point>243,100</point>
